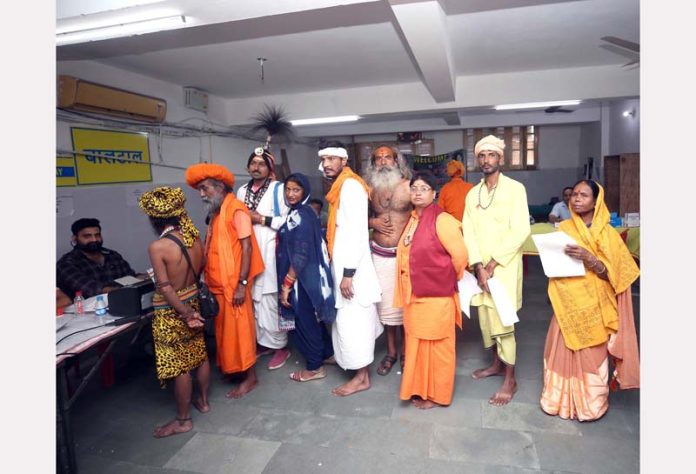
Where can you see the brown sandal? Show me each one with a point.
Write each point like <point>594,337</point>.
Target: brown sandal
<point>386,365</point>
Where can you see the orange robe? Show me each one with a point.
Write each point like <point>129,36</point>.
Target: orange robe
<point>453,195</point>
<point>593,318</point>
<point>429,321</point>
<point>235,327</point>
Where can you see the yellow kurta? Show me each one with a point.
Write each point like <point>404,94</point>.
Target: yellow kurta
<point>498,232</point>
<point>429,321</point>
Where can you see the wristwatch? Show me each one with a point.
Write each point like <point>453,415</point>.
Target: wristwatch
<point>243,282</point>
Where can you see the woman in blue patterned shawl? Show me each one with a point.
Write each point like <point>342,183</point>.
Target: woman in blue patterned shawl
<point>304,280</point>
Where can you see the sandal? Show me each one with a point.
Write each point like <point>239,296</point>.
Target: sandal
<point>386,365</point>
<point>320,373</point>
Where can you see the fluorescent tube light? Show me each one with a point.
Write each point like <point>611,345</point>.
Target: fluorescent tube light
<point>535,105</point>
<point>317,121</point>
<point>121,29</point>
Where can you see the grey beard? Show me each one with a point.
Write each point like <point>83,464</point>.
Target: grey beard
<point>384,178</point>
<point>212,206</point>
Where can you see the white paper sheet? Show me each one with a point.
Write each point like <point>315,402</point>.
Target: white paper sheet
<point>553,258</point>
<point>127,280</point>
<point>506,311</point>
<point>468,287</point>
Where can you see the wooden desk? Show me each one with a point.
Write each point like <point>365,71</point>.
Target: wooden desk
<point>93,331</point>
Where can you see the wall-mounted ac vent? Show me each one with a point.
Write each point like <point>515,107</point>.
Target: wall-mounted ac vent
<point>78,94</point>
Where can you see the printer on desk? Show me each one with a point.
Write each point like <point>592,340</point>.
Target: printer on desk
<point>132,300</point>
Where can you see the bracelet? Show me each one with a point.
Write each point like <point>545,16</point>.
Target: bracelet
<point>349,272</point>
<point>289,281</point>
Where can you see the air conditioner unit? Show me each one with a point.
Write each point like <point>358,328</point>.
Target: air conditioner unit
<point>78,94</point>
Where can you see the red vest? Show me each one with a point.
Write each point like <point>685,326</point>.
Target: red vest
<point>432,272</point>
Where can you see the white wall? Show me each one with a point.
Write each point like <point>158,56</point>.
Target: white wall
<point>125,228</point>
<point>624,132</point>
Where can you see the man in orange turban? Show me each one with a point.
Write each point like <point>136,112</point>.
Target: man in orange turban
<point>233,261</point>
<point>453,194</point>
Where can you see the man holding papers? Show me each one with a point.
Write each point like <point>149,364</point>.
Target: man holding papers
<point>496,224</point>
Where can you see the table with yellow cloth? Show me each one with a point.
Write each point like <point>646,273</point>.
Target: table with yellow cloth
<point>632,238</point>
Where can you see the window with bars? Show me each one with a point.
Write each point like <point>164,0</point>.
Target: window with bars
<point>521,146</point>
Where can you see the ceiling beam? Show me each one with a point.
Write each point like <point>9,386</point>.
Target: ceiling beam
<point>422,27</point>
<point>451,118</point>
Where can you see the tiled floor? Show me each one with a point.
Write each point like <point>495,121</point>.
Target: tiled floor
<point>289,427</point>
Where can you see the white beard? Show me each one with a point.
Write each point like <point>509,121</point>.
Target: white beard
<point>384,178</point>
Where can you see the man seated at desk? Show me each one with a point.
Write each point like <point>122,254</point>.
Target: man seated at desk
<point>560,210</point>
<point>89,267</point>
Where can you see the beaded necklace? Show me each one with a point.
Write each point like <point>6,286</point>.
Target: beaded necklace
<point>490,200</point>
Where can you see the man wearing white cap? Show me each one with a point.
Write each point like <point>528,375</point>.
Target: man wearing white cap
<point>495,225</point>
<point>356,285</point>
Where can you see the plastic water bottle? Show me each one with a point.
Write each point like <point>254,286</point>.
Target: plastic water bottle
<point>79,302</point>
<point>100,306</point>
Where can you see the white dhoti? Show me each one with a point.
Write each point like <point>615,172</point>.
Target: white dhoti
<point>385,266</point>
<point>354,333</point>
<point>268,333</point>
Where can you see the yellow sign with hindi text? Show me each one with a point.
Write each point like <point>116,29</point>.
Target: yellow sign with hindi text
<point>65,171</point>
<point>111,156</point>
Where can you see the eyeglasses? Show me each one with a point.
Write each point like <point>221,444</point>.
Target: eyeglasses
<point>422,189</point>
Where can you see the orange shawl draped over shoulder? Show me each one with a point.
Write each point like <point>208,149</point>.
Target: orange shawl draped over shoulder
<point>333,197</point>
<point>229,249</point>
<point>588,309</point>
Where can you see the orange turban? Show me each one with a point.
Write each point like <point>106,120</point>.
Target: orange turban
<point>197,173</point>
<point>491,143</point>
<point>455,168</point>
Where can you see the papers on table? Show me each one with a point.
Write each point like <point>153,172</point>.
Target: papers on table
<point>503,304</point>
<point>127,280</point>
<point>468,287</point>
<point>553,258</point>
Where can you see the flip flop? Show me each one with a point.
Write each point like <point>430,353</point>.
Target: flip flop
<point>386,365</point>
<point>317,374</point>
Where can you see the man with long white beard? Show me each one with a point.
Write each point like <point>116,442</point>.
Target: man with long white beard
<point>390,206</point>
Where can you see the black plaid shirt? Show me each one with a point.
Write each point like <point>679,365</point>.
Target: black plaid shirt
<point>74,271</point>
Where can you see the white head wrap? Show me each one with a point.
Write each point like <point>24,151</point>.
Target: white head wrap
<point>334,151</point>
<point>491,143</point>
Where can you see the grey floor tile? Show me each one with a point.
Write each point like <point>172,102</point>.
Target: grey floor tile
<point>275,425</point>
<point>368,404</point>
<point>584,454</point>
<point>614,423</point>
<point>338,460</point>
<point>462,412</point>
<point>384,436</point>
<point>215,454</point>
<point>484,446</point>
<point>525,417</point>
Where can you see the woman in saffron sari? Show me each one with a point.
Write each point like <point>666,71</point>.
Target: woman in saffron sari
<point>304,279</point>
<point>431,257</point>
<point>593,315</point>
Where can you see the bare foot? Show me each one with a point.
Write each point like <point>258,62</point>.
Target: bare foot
<point>243,388</point>
<point>488,371</point>
<point>424,404</point>
<point>200,405</point>
<point>356,384</point>
<point>176,426</point>
<point>504,395</point>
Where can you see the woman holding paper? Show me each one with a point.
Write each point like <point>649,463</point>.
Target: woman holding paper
<point>431,258</point>
<point>593,315</point>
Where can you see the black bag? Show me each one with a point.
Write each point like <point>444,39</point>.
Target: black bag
<point>209,307</point>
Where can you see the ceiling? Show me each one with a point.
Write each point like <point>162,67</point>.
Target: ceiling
<point>386,59</point>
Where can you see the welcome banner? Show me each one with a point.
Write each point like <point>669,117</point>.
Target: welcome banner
<point>435,165</point>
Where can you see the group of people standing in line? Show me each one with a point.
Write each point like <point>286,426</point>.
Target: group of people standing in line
<point>391,258</point>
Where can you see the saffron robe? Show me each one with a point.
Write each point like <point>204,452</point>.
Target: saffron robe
<point>235,332</point>
<point>452,197</point>
<point>429,321</point>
